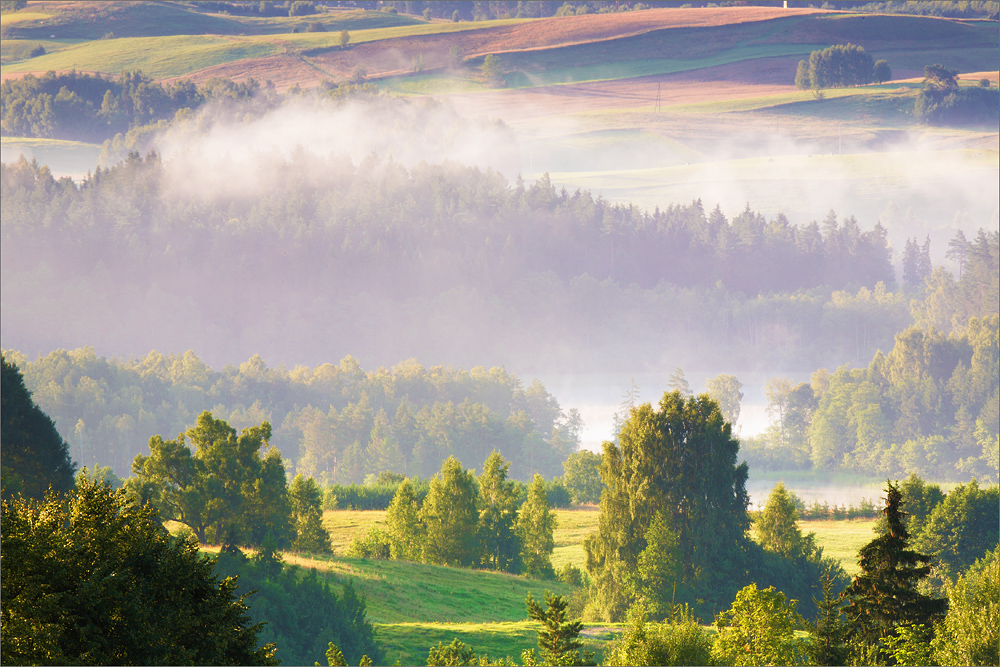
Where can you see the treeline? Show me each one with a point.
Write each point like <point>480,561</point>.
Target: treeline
<point>336,423</point>
<point>85,107</point>
<point>378,491</point>
<point>467,264</point>
<point>943,102</point>
<point>469,521</point>
<point>929,407</point>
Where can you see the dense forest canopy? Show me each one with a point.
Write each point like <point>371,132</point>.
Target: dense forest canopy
<point>337,423</point>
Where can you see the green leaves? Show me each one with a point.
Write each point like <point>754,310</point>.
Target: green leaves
<point>679,460</point>
<point>94,579</point>
<point>225,491</point>
<point>759,629</point>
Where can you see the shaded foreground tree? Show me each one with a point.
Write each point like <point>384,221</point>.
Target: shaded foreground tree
<point>884,597</point>
<point>91,578</point>
<point>35,456</point>
<point>680,461</point>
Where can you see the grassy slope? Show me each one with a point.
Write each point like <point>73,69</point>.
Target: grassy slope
<point>415,606</point>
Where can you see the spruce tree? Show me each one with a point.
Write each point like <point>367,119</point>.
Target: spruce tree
<point>828,631</point>
<point>885,596</point>
<point>35,456</point>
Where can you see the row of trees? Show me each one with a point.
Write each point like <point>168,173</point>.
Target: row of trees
<point>839,66</point>
<point>335,422</point>
<point>928,407</point>
<point>91,108</point>
<point>468,521</point>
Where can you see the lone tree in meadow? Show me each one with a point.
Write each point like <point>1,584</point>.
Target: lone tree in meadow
<point>884,596</point>
<point>493,71</point>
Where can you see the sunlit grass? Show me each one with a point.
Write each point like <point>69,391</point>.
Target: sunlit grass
<point>345,525</point>
<point>157,57</point>
<point>9,18</point>
<point>841,539</point>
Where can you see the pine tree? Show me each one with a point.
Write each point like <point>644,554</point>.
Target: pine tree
<point>828,631</point>
<point>885,596</point>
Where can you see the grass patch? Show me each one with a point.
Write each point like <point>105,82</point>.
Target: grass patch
<point>345,525</point>
<point>10,18</point>
<point>401,592</point>
<point>842,539</point>
<point>157,57</point>
<point>13,50</point>
<point>607,71</point>
<point>409,643</point>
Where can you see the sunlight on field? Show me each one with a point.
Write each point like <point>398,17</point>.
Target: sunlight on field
<point>9,18</point>
<point>345,525</point>
<point>841,539</point>
<point>156,56</point>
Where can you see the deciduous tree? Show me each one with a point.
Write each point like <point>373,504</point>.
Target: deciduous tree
<point>535,524</point>
<point>679,460</point>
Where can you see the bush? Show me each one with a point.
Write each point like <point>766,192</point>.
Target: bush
<point>373,544</point>
<point>962,106</point>
<point>571,574</point>
<point>680,641</point>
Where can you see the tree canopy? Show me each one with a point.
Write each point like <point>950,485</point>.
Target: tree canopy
<point>678,460</point>
<point>93,578</point>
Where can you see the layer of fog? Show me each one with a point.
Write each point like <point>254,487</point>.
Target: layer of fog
<point>921,190</point>
<point>213,156</point>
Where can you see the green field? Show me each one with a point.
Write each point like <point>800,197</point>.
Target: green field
<point>409,643</point>
<point>842,539</point>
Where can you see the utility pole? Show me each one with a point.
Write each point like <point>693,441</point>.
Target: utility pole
<point>657,107</point>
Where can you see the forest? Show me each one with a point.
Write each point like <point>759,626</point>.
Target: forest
<point>672,469</point>
<point>187,507</point>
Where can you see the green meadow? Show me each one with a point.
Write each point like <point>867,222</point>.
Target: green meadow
<point>842,539</point>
